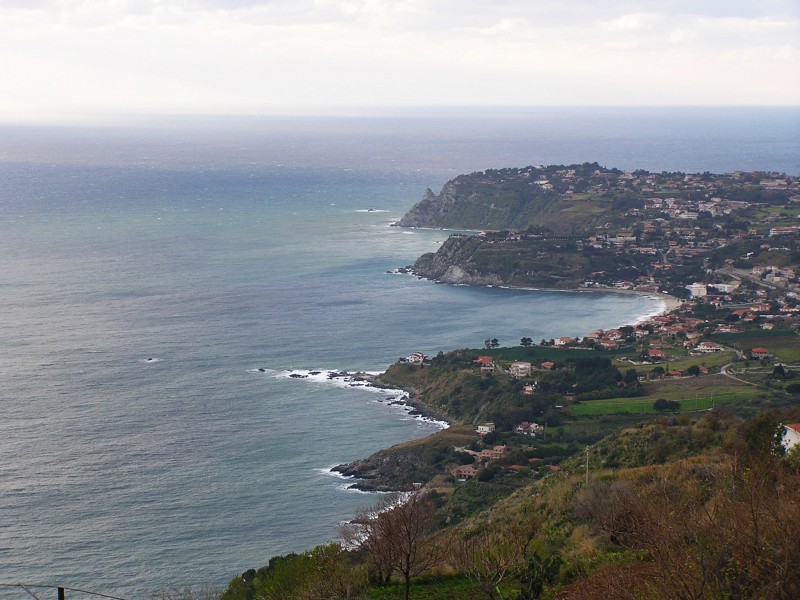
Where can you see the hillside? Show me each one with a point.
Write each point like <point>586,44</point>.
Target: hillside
<point>514,199</point>
<point>718,516</point>
<point>522,261</point>
<point>566,226</point>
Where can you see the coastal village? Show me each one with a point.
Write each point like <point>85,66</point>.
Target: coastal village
<point>660,459</point>
<point>721,251</point>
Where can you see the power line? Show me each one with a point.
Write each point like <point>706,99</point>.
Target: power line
<point>60,588</point>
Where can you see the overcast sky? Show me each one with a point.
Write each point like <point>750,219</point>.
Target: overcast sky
<point>82,57</point>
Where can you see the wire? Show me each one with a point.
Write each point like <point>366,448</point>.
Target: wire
<point>25,587</point>
<point>30,592</point>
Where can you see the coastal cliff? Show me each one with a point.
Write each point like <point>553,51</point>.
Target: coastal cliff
<point>402,466</point>
<point>532,261</point>
<point>456,262</point>
<point>515,198</point>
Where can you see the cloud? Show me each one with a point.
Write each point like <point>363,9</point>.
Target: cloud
<point>279,55</point>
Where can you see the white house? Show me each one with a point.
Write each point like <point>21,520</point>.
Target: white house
<point>709,347</point>
<point>791,436</point>
<point>485,428</point>
<point>697,289</point>
<point>416,358</point>
<point>521,369</point>
<point>725,288</point>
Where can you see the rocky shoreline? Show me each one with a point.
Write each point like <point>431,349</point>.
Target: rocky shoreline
<point>381,471</point>
<point>387,470</point>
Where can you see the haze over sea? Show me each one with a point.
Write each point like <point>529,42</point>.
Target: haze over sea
<point>149,271</point>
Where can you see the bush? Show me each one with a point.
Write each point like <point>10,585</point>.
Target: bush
<point>662,404</point>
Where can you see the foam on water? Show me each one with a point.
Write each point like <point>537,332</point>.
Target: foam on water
<point>393,397</point>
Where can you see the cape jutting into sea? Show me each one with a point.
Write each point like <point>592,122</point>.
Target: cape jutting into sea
<point>160,280</point>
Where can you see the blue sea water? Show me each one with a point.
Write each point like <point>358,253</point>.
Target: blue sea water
<point>148,271</point>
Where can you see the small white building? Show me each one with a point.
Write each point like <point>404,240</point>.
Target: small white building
<point>521,369</point>
<point>725,288</point>
<point>709,347</point>
<point>527,428</point>
<point>791,435</point>
<point>697,290</point>
<point>416,358</point>
<point>485,428</point>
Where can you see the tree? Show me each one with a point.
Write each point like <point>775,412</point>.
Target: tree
<point>662,404</point>
<point>495,343</point>
<point>493,553</point>
<point>398,536</point>
<point>693,370</point>
<point>323,573</point>
<point>526,342</point>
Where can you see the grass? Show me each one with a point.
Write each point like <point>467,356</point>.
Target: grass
<point>695,393</point>
<point>538,354</point>
<point>784,345</point>
<point>681,364</point>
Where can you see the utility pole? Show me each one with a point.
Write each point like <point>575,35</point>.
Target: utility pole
<point>587,465</point>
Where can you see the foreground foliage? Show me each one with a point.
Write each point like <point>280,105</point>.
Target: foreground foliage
<point>676,508</point>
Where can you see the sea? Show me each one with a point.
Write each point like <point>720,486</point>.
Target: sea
<point>161,280</point>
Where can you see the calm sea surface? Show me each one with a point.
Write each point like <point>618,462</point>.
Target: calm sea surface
<point>157,281</point>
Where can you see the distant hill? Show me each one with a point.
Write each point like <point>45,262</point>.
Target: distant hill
<point>563,199</point>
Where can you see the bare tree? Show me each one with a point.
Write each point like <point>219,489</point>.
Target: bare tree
<point>366,532</point>
<point>495,551</point>
<point>398,537</point>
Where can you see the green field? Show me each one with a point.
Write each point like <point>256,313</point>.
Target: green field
<point>538,354</point>
<point>784,345</point>
<point>681,364</point>
<point>696,393</point>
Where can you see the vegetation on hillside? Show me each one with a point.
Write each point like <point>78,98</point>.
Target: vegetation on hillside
<point>704,507</point>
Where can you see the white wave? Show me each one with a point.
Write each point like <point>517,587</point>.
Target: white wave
<point>394,397</point>
<point>371,210</point>
<point>354,490</point>
<point>329,472</point>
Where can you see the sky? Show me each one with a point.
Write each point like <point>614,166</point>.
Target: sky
<point>73,58</point>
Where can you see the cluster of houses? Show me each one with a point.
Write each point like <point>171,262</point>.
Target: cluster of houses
<point>481,459</point>
<point>492,454</point>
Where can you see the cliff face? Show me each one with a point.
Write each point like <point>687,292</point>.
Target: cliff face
<point>467,260</point>
<point>432,210</point>
<point>402,466</point>
<point>486,201</point>
<point>479,202</point>
<point>455,262</point>
<point>562,199</point>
